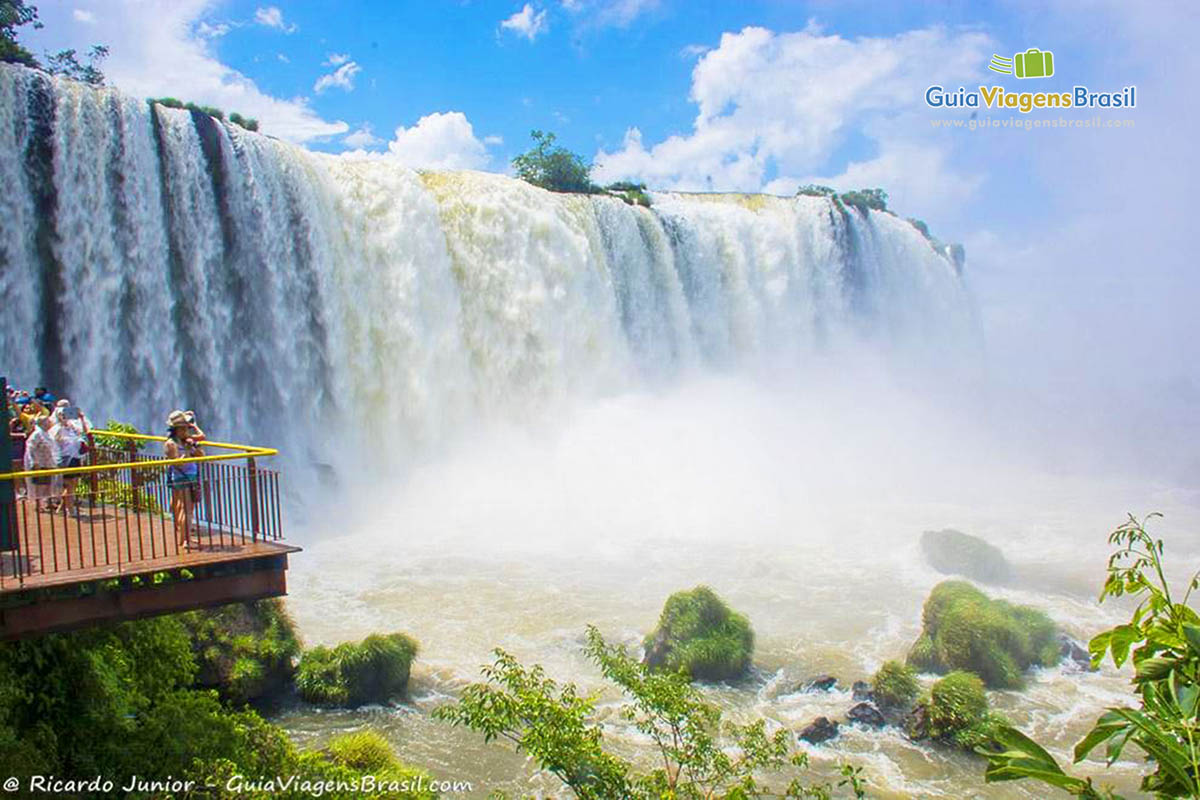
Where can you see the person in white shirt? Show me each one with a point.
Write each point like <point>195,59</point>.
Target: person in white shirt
<point>70,434</point>
<point>42,453</point>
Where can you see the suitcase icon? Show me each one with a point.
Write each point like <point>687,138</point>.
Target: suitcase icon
<point>1034,63</point>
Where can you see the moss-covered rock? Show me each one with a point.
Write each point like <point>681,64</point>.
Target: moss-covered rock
<point>372,671</point>
<point>246,651</point>
<point>895,685</point>
<point>953,552</point>
<point>964,629</point>
<point>957,712</point>
<point>699,634</point>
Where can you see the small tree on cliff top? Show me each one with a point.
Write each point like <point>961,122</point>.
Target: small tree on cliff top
<point>553,167</point>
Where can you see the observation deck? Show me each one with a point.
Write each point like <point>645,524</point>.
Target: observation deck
<point>120,557</point>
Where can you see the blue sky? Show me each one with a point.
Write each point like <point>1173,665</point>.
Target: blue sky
<point>1078,246</point>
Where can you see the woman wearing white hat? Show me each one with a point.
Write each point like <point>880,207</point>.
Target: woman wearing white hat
<point>182,478</point>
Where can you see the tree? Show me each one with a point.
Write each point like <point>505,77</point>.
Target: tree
<point>13,15</point>
<point>1163,641</point>
<point>553,167</point>
<point>67,64</point>
<point>553,724</point>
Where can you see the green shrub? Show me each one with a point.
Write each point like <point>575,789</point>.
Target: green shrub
<point>364,750</point>
<point>169,102</point>
<point>552,167</point>
<point>921,227</point>
<point>957,703</point>
<point>816,190</point>
<point>243,650</point>
<point>964,629</point>
<point>895,685</point>
<point>248,124</point>
<point>372,671</point>
<point>863,199</point>
<point>117,493</point>
<point>632,193</point>
<point>698,634</point>
<point>118,442</point>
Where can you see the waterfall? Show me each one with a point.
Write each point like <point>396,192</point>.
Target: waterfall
<point>153,258</point>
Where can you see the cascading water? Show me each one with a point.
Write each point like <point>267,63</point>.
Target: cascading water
<point>155,258</point>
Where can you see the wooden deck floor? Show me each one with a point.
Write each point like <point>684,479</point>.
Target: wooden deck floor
<point>105,542</point>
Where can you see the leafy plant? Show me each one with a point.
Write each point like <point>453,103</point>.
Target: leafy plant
<point>816,190</point>
<point>553,167</point>
<point>118,442</point>
<point>371,671</point>
<point>895,685</point>
<point>1162,639</point>
<point>863,199</point>
<point>67,64</point>
<point>13,15</point>
<point>553,724</point>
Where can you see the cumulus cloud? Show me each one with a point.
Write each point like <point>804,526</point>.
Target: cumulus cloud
<point>526,22</point>
<point>362,138</point>
<point>157,50</point>
<point>272,17</point>
<point>442,140</point>
<point>341,78</point>
<point>336,59</point>
<point>771,106</point>
<point>86,17</point>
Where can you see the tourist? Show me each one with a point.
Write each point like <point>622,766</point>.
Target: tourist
<point>183,479</point>
<point>17,435</point>
<point>70,434</point>
<point>42,453</point>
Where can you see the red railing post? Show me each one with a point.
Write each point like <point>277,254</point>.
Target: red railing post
<point>93,458</point>
<point>135,478</point>
<point>252,486</point>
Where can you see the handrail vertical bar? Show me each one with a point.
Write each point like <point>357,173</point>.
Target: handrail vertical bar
<point>252,486</point>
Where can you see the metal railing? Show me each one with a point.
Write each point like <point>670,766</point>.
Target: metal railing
<point>121,521</point>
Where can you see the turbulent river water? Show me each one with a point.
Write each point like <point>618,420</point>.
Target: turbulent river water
<point>505,413</point>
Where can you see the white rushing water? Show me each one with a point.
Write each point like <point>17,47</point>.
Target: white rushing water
<point>154,259</point>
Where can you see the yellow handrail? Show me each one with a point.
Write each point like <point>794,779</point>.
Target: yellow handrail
<point>247,451</point>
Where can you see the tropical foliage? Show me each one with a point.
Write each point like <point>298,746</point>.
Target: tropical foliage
<point>555,725</point>
<point>374,670</point>
<point>701,636</point>
<point>1162,640</point>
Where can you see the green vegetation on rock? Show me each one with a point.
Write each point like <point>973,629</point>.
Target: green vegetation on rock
<point>118,701</point>
<point>957,703</point>
<point>632,193</point>
<point>964,629</point>
<point>374,670</point>
<point>863,199</point>
<point>244,650</point>
<point>216,113</point>
<point>816,190</point>
<point>698,634</point>
<point>953,552</point>
<point>895,685</point>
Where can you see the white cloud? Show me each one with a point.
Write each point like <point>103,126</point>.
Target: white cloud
<point>526,22</point>
<point>272,17</point>
<point>610,13</point>
<point>157,51</point>
<point>342,78</point>
<point>283,58</point>
<point>361,138</point>
<point>693,50</point>
<point>216,31</point>
<point>493,140</point>
<point>336,59</point>
<point>439,141</point>
<point>86,17</point>
<point>773,104</point>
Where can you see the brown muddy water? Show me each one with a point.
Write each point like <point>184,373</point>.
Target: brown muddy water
<point>521,541</point>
